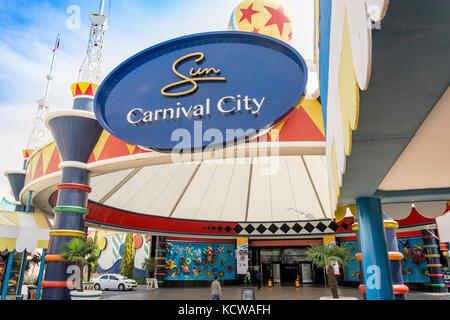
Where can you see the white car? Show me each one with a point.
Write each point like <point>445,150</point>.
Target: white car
<point>114,282</point>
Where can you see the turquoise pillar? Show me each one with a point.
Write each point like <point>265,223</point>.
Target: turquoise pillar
<point>400,289</point>
<point>374,253</point>
<point>41,274</point>
<point>7,274</point>
<point>22,275</point>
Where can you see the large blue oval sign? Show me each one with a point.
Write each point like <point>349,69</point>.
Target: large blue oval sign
<point>209,89</point>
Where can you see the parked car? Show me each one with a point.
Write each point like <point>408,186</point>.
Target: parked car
<point>114,282</point>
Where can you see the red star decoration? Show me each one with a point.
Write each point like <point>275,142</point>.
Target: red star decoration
<point>290,36</point>
<point>255,30</point>
<point>277,17</point>
<point>248,13</point>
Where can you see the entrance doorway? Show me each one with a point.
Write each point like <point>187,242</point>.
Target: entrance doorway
<point>289,273</point>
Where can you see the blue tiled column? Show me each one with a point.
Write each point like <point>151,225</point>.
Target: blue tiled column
<point>430,244</point>
<point>400,289</point>
<point>374,253</point>
<point>160,259</point>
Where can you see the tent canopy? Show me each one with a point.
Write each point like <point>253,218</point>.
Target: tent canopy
<point>23,231</point>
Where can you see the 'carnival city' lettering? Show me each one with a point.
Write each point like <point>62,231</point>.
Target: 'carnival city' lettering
<point>227,106</point>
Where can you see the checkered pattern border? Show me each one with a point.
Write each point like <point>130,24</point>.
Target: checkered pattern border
<point>307,228</point>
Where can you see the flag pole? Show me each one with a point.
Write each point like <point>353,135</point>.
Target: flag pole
<point>50,75</point>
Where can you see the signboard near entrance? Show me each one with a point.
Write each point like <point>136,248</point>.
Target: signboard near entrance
<point>248,294</point>
<point>242,255</point>
<point>204,90</point>
<point>446,273</point>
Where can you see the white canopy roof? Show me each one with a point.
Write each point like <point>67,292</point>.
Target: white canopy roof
<point>284,188</point>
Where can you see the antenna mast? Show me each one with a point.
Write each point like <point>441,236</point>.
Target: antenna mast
<point>38,135</point>
<point>90,70</point>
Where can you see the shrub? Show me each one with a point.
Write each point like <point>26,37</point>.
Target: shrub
<point>30,280</point>
<point>127,264</point>
<point>139,279</point>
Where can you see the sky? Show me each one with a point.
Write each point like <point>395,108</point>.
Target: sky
<point>28,29</point>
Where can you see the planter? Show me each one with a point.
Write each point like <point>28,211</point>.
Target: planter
<point>151,283</point>
<point>86,295</point>
<point>88,286</point>
<point>340,298</point>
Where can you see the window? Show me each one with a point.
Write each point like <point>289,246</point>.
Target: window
<point>104,277</point>
<point>113,278</point>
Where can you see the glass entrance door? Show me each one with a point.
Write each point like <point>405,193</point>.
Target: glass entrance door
<point>307,272</point>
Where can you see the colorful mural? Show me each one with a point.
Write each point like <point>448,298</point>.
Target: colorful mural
<point>110,245</point>
<point>414,264</point>
<point>200,261</point>
<point>352,270</point>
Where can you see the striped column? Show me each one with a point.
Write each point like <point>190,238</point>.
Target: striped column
<point>160,259</point>
<point>400,289</point>
<point>76,133</point>
<point>431,247</point>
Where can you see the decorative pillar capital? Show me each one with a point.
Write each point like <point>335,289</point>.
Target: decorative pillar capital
<point>75,132</point>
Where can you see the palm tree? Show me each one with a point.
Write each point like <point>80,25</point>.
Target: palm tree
<point>93,259</point>
<point>149,266</point>
<point>35,260</point>
<point>78,251</point>
<point>323,256</point>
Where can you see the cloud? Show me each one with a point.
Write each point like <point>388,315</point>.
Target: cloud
<point>29,29</point>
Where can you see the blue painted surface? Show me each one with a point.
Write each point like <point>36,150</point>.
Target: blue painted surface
<point>414,263</point>
<point>375,261</point>
<point>324,61</point>
<point>116,269</point>
<point>253,65</point>
<point>353,269</point>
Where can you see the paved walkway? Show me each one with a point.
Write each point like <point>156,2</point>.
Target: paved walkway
<point>311,292</point>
